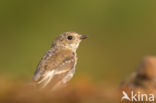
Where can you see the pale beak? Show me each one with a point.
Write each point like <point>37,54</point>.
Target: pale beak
<point>83,36</point>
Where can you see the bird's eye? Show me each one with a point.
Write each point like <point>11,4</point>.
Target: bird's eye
<point>70,37</point>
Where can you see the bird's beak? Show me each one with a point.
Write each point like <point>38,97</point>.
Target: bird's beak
<point>83,36</point>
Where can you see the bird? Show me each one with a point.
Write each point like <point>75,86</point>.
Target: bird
<point>57,66</point>
<point>144,79</point>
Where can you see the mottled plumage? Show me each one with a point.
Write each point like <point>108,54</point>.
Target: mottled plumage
<point>58,65</point>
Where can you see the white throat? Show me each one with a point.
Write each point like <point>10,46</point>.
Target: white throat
<point>73,47</point>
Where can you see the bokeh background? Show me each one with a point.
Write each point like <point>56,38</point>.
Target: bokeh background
<point>121,33</point>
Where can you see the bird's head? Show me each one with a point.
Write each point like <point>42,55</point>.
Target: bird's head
<point>147,68</point>
<point>70,40</point>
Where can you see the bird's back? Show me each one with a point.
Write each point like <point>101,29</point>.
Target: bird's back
<point>55,66</point>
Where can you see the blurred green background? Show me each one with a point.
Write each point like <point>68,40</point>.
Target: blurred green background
<point>121,33</point>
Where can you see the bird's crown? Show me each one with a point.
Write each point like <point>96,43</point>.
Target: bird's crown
<point>69,40</point>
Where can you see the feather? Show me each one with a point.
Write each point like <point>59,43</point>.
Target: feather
<point>54,69</point>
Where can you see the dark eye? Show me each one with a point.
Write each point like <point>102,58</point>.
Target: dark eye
<point>70,37</point>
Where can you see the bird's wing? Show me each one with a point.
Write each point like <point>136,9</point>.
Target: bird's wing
<point>59,62</point>
<point>40,70</point>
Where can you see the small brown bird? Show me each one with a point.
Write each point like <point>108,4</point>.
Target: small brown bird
<point>144,79</point>
<point>57,66</point>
